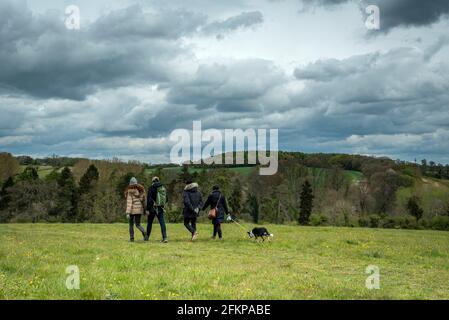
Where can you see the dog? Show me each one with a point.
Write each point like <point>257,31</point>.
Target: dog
<point>259,232</point>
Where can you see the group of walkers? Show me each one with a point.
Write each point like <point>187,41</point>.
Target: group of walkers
<point>139,203</point>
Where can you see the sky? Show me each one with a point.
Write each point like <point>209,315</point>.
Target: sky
<point>137,70</point>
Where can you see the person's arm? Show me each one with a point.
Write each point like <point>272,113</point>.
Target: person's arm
<point>187,202</point>
<point>207,203</point>
<point>129,204</point>
<point>225,204</point>
<point>144,201</point>
<point>149,200</point>
<point>200,204</point>
<point>152,194</point>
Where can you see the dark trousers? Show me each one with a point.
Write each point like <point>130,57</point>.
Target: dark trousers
<point>159,213</point>
<point>190,224</point>
<point>217,228</point>
<point>135,219</point>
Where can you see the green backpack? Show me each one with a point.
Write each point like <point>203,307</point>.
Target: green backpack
<point>161,197</point>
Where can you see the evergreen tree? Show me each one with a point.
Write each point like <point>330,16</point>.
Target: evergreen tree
<point>185,175</point>
<point>123,183</point>
<point>235,201</point>
<point>414,209</point>
<point>306,204</point>
<point>4,197</point>
<point>29,174</point>
<point>87,193</point>
<point>53,176</point>
<point>253,204</point>
<point>67,203</point>
<point>88,179</point>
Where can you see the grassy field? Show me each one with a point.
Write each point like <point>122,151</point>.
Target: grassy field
<point>42,171</point>
<point>300,263</point>
<point>240,170</point>
<point>430,192</point>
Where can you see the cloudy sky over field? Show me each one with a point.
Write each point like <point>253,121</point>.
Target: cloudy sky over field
<point>136,70</point>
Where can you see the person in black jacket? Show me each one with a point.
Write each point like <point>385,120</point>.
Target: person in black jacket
<point>155,210</point>
<point>217,200</point>
<point>193,202</point>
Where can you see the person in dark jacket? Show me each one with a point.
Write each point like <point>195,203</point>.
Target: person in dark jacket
<point>156,210</point>
<point>217,200</point>
<point>193,201</point>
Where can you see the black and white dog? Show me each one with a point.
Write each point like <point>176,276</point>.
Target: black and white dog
<point>259,232</point>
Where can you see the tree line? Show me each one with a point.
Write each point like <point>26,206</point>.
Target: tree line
<point>309,189</point>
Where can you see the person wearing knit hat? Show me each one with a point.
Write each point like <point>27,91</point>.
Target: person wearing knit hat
<point>135,206</point>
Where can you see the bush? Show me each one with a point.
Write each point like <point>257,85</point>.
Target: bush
<point>388,223</point>
<point>318,220</point>
<point>424,224</point>
<point>364,222</point>
<point>374,221</point>
<point>406,222</point>
<point>401,222</point>
<point>440,223</point>
<point>406,181</point>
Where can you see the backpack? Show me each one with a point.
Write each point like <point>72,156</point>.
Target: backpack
<point>161,197</point>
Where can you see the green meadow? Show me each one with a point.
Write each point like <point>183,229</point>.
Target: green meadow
<point>299,263</point>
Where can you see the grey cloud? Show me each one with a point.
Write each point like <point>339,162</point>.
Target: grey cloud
<point>241,21</point>
<point>135,22</point>
<point>235,86</point>
<point>329,69</point>
<point>123,75</point>
<point>42,58</point>
<point>397,13</point>
<point>397,92</point>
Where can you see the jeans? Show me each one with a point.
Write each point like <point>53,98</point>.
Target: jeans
<point>190,224</point>
<point>159,212</point>
<point>217,228</point>
<point>135,219</point>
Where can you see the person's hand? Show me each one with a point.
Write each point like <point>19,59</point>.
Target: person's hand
<point>197,210</point>
<point>127,216</point>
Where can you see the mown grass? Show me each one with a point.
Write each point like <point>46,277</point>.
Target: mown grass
<point>42,171</point>
<point>428,190</point>
<point>300,263</point>
<point>241,170</point>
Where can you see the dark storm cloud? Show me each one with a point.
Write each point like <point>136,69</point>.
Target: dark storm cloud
<point>42,58</point>
<point>397,13</point>
<point>130,75</point>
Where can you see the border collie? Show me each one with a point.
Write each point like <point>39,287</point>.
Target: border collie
<point>259,232</point>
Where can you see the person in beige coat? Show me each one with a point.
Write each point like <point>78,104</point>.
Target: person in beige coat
<point>135,206</point>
